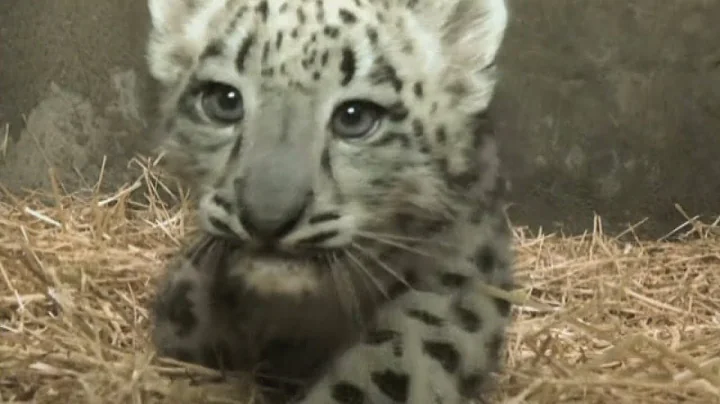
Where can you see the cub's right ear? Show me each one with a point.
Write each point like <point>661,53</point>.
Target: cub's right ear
<point>167,53</point>
<point>180,31</point>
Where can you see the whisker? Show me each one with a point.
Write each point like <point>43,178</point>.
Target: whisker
<point>384,266</point>
<point>340,277</point>
<point>205,248</point>
<point>389,236</point>
<point>397,244</point>
<point>366,280</point>
<point>367,273</point>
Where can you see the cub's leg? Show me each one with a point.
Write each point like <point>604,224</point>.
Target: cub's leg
<point>425,348</point>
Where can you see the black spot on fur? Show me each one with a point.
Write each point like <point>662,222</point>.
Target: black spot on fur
<point>441,135</point>
<point>347,393</point>
<point>392,384</point>
<point>262,10</point>
<point>418,127</point>
<point>379,337</point>
<point>215,48</point>
<point>244,51</point>
<point>453,280</point>
<point>265,51</point>
<point>418,89</point>
<point>324,58</point>
<point>347,65</point>
<point>347,17</point>
<point>503,306</point>
<point>279,40</point>
<point>469,386</point>
<point>319,11</point>
<point>180,308</point>
<point>372,35</point>
<point>396,290</point>
<point>469,321</point>
<point>443,352</point>
<point>301,16</point>
<point>485,259</point>
<point>425,317</point>
<point>331,32</point>
<point>411,276</point>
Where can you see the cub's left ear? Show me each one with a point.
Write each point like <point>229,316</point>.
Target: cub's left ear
<point>476,30</point>
<point>471,31</point>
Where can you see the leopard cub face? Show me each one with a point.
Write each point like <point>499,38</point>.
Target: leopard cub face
<point>323,135</point>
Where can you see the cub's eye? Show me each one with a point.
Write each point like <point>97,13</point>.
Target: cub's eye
<point>222,103</point>
<point>356,119</point>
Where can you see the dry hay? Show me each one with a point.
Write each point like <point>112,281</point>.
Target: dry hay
<point>607,321</point>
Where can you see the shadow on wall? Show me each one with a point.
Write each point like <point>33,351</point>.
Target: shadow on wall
<point>604,107</point>
<point>611,107</point>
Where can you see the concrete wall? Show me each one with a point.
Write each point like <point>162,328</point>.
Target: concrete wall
<point>606,106</point>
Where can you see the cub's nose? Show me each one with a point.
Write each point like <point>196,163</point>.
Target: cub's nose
<point>274,192</point>
<point>273,220</point>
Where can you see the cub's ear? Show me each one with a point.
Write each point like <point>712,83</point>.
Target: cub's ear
<point>167,16</point>
<point>471,31</point>
<point>180,31</point>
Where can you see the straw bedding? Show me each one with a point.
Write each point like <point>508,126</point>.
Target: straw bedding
<point>603,320</point>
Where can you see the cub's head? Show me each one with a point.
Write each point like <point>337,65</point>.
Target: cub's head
<point>318,124</point>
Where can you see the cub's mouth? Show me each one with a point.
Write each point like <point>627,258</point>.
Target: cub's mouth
<point>266,269</point>
<point>280,274</point>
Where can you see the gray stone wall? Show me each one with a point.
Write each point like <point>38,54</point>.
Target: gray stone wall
<point>605,106</point>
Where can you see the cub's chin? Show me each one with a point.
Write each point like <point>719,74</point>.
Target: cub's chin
<point>284,275</point>
<point>262,270</point>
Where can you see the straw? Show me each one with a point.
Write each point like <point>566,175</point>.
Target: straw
<point>602,319</point>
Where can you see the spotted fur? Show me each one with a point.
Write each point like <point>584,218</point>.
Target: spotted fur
<point>348,190</point>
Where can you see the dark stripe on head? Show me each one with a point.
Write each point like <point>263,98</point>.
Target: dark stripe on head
<point>347,65</point>
<point>214,48</point>
<point>244,51</point>
<point>383,73</point>
<point>262,9</point>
